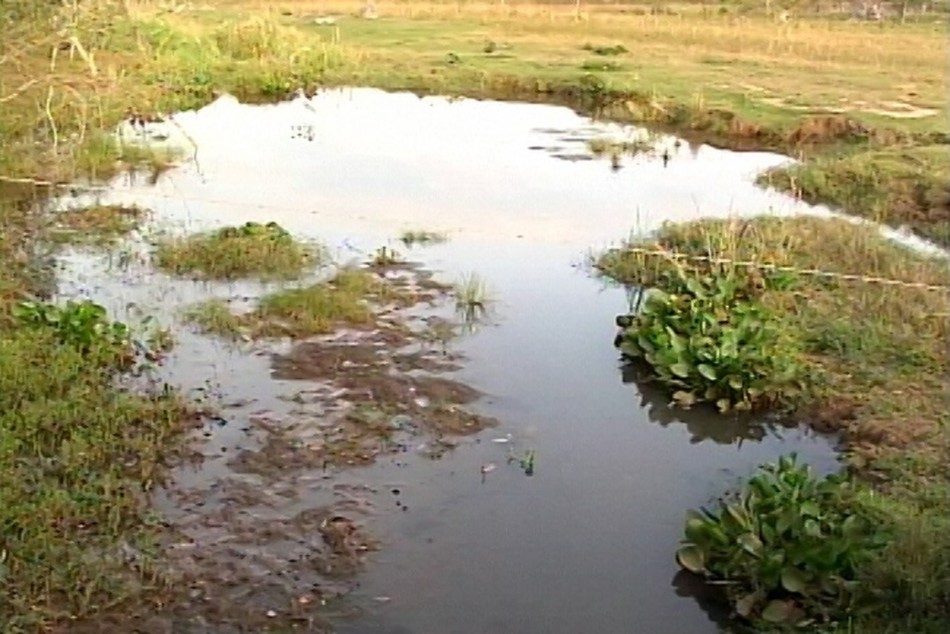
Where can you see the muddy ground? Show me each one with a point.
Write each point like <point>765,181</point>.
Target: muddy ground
<point>275,544</point>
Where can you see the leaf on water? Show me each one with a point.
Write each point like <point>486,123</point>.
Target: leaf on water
<point>794,580</point>
<point>778,611</point>
<point>691,558</point>
<point>708,372</point>
<point>724,405</point>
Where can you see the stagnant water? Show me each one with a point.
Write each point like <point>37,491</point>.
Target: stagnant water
<point>584,544</point>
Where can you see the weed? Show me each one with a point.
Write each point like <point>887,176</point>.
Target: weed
<point>471,299</point>
<point>412,237</point>
<point>791,547</point>
<point>252,250</point>
<point>75,454</point>
<point>99,225</point>
<point>214,316</point>
<point>385,257</point>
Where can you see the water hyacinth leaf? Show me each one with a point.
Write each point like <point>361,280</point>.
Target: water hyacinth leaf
<point>723,405</point>
<point>691,558</point>
<point>810,509</point>
<point>778,611</point>
<point>708,372</point>
<point>750,543</point>
<point>746,604</point>
<point>680,369</point>
<point>794,580</point>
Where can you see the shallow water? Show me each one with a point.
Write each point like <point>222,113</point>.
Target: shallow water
<point>584,544</point>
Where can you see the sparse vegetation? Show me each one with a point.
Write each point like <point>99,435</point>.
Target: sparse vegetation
<point>422,237</point>
<point>252,250</point>
<point>214,316</point>
<point>384,257</point>
<point>472,298</point>
<point>317,309</point>
<point>615,49</point>
<point>99,225</point>
<point>867,347</point>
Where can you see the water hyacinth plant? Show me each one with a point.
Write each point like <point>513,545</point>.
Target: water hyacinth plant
<point>789,548</point>
<point>707,337</point>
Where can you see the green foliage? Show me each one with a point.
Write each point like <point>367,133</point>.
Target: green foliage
<point>790,547</point>
<point>86,327</point>
<point>251,250</point>
<point>75,456</point>
<point>83,325</point>
<point>707,336</point>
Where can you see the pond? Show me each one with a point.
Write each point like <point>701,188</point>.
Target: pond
<point>467,541</point>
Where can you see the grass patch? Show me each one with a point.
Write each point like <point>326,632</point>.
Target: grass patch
<point>99,225</point>
<point>76,454</point>
<point>344,300</point>
<point>215,317</point>
<point>876,356</point>
<point>265,252</point>
<point>892,186</point>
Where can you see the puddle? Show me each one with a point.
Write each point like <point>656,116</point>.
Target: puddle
<point>452,530</point>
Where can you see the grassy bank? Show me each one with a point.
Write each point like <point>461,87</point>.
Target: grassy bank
<point>860,102</point>
<point>872,364</point>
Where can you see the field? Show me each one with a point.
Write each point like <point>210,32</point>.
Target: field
<point>861,103</point>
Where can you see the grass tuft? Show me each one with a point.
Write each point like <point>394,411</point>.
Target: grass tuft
<point>264,252</point>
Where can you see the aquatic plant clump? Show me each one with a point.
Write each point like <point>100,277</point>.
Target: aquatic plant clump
<point>250,251</point>
<point>789,548</point>
<point>707,337</point>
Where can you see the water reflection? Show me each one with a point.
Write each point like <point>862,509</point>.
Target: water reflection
<point>703,423</point>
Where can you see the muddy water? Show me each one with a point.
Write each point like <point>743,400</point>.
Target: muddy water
<point>469,542</point>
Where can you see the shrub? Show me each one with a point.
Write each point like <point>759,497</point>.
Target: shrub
<point>706,335</point>
<point>789,547</point>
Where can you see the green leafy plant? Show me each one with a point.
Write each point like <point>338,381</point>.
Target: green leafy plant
<point>789,547</point>
<point>706,335</point>
<point>85,326</point>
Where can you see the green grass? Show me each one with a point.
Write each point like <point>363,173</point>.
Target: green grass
<point>878,358</point>
<point>75,456</point>
<point>317,309</point>
<point>100,225</point>
<point>215,317</point>
<point>264,252</point>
